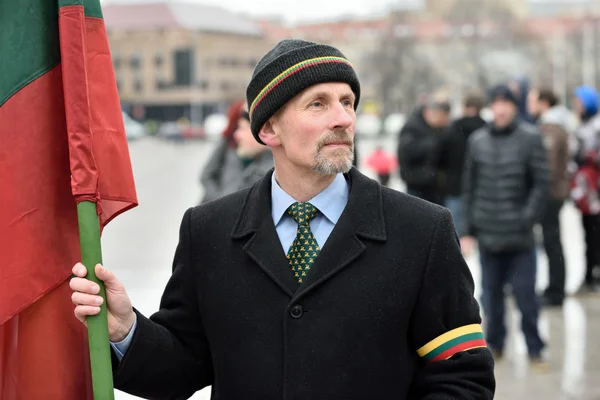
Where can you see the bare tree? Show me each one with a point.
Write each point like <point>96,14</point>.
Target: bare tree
<point>494,43</point>
<point>478,10</point>
<point>401,70</point>
<point>485,41</point>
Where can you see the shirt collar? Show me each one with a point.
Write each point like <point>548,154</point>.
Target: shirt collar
<point>330,202</point>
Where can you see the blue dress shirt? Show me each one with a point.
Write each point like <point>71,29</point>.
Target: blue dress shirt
<point>330,203</point>
<point>121,347</point>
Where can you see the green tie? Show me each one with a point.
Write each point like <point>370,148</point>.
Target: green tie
<point>305,249</point>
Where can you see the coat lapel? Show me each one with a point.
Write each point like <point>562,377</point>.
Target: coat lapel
<point>362,219</point>
<point>255,221</point>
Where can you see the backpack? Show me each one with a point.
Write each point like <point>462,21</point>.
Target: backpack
<point>585,189</point>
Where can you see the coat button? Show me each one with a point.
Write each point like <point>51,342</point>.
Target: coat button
<point>296,311</point>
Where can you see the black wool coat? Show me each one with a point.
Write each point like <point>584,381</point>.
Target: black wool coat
<point>389,279</point>
<point>455,149</point>
<point>420,154</point>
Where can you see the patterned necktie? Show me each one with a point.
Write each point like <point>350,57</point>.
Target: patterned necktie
<point>305,249</point>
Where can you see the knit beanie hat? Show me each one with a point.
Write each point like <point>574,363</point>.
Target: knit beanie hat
<point>502,92</point>
<point>289,68</point>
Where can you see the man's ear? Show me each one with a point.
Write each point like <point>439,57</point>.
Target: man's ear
<point>269,133</point>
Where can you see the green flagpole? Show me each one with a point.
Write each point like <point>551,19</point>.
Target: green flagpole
<point>91,254</point>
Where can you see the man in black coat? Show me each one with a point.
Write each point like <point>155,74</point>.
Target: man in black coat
<point>420,148</point>
<point>506,186</point>
<point>316,283</point>
<point>454,151</point>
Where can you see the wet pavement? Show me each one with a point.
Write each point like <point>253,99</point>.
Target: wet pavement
<point>139,247</point>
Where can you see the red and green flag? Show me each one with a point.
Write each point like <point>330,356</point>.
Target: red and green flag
<point>65,172</point>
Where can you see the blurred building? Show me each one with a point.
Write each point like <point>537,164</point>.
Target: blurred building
<point>176,60</point>
<point>518,8</point>
<point>563,8</point>
<point>474,9</point>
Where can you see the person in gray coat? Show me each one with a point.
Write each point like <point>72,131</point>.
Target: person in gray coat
<point>224,162</point>
<point>238,161</point>
<point>256,158</point>
<point>505,187</point>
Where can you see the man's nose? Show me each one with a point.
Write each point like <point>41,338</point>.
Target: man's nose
<point>342,118</point>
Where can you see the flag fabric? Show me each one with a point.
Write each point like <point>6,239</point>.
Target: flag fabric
<point>62,142</point>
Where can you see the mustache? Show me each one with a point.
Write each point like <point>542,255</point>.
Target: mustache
<point>340,136</point>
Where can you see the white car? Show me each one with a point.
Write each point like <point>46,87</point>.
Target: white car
<point>133,129</point>
<point>214,125</point>
<point>393,123</point>
<point>368,125</point>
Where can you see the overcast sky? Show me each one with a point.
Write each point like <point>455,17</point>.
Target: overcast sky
<point>303,10</point>
<point>293,10</point>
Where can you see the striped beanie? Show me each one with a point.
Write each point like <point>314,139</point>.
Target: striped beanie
<point>289,68</point>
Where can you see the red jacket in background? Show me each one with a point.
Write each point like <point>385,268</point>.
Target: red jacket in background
<point>382,162</point>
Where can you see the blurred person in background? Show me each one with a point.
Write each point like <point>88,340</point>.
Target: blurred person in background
<point>455,150</point>
<point>554,121</point>
<point>355,161</point>
<point>224,165</point>
<point>383,163</point>
<point>520,87</point>
<point>505,189</point>
<point>256,158</point>
<point>420,147</point>
<point>586,181</point>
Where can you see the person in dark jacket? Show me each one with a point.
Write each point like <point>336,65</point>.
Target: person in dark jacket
<point>454,153</point>
<point>420,148</point>
<point>520,87</point>
<point>305,286</point>
<point>553,120</point>
<point>506,186</point>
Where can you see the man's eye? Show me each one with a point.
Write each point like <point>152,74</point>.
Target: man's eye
<point>316,104</point>
<point>348,103</point>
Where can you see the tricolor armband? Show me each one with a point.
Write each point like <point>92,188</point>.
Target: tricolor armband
<point>460,339</point>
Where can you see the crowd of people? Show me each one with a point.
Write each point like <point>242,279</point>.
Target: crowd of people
<point>500,179</point>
